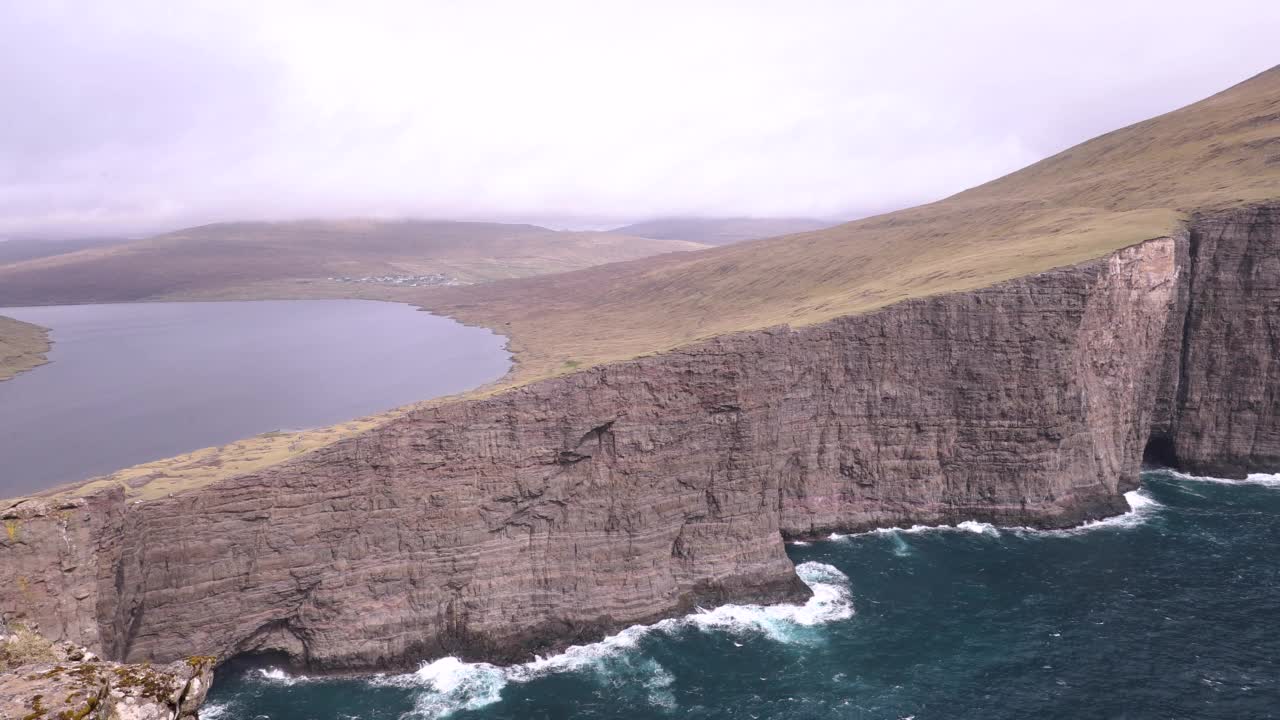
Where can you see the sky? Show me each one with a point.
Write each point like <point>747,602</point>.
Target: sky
<point>131,116</point>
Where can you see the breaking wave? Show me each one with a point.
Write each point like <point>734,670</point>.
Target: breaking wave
<point>1264,479</point>
<point>213,711</point>
<point>1141,505</point>
<point>448,685</point>
<point>972,526</point>
<point>280,677</point>
<point>1141,508</point>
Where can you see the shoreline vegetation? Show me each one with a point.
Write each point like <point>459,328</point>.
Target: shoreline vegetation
<point>23,346</point>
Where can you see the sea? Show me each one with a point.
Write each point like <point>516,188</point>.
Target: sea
<point>1171,610</point>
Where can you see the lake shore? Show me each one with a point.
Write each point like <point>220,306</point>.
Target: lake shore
<point>23,346</point>
<point>133,383</point>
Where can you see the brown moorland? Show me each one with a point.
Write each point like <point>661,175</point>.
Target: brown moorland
<point>721,231</point>
<point>22,346</point>
<point>256,260</point>
<point>1113,191</point>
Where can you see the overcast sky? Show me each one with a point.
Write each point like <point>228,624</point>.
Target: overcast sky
<point>128,117</point>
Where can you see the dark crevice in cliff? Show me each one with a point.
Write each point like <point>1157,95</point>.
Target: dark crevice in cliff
<point>596,433</point>
<point>244,662</point>
<point>136,614</point>
<point>1160,452</point>
<point>1188,331</point>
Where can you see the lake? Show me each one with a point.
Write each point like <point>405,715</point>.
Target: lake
<point>130,383</point>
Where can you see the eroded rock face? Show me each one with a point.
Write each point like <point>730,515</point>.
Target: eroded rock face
<point>579,505</point>
<point>1024,404</point>
<point>58,559</point>
<point>75,685</point>
<point>568,508</point>
<point>1224,417</point>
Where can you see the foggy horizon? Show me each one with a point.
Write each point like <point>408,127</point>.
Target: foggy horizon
<point>136,120</point>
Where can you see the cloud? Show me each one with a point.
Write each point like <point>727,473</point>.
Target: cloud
<point>134,116</point>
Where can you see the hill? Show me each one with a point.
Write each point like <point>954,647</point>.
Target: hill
<point>12,251</point>
<point>1126,186</point>
<point>362,258</point>
<point>720,231</point>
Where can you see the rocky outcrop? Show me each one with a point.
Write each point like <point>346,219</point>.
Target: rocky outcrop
<point>555,512</point>
<point>100,690</point>
<point>70,683</point>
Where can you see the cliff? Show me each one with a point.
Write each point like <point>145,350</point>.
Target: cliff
<point>1222,414</point>
<point>557,511</point>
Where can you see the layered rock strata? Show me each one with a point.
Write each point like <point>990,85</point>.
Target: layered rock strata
<point>1222,410</point>
<point>561,510</point>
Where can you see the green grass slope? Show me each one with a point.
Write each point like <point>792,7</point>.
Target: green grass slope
<point>720,231</point>
<point>1121,188</point>
<point>22,346</point>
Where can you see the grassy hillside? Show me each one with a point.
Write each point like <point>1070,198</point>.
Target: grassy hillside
<point>1118,189</point>
<point>244,260</point>
<point>12,251</point>
<point>22,346</point>
<point>720,231</point>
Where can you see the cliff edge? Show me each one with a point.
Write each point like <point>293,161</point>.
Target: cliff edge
<point>1079,324</point>
<point>559,511</point>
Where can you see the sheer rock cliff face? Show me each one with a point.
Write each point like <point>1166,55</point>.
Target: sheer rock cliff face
<point>1223,412</point>
<point>556,512</point>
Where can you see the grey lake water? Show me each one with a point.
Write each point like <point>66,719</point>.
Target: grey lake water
<point>129,383</point>
<point>1169,611</point>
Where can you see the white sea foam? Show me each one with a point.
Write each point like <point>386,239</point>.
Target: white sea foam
<point>213,711</point>
<point>278,676</point>
<point>970,526</point>
<point>658,686</point>
<point>1140,507</point>
<point>1268,479</point>
<point>449,684</point>
<point>830,602</point>
<point>1264,479</point>
<point>1139,500</point>
<point>455,685</point>
<point>980,528</point>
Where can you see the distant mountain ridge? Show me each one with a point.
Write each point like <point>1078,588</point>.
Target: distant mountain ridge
<point>313,258</point>
<point>721,231</point>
